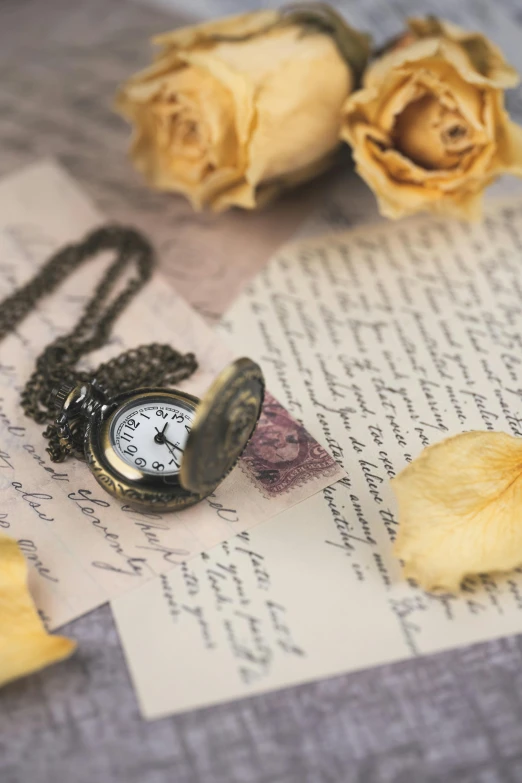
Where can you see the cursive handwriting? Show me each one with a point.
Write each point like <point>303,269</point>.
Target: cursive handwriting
<point>30,552</point>
<point>13,429</point>
<point>227,514</point>
<point>56,475</point>
<point>33,500</point>
<point>5,460</point>
<point>132,566</point>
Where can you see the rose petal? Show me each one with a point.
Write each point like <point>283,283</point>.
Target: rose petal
<point>238,26</point>
<point>242,109</point>
<point>459,509</point>
<point>25,645</point>
<point>297,127</point>
<point>433,136</point>
<point>486,58</point>
<point>509,150</point>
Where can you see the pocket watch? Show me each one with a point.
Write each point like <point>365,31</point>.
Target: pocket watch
<point>162,448</point>
<point>146,443</point>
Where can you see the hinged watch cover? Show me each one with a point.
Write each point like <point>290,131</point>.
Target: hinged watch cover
<point>225,419</point>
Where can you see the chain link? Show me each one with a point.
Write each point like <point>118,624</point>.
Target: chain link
<point>148,365</point>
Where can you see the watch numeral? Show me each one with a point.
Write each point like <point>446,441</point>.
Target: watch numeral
<point>140,462</point>
<point>132,424</point>
<point>162,413</point>
<point>175,463</point>
<point>178,417</point>
<point>131,450</point>
<point>126,436</point>
<point>158,466</point>
<point>144,415</point>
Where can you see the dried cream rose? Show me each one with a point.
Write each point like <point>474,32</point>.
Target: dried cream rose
<point>460,509</point>
<point>234,110</point>
<point>429,130</point>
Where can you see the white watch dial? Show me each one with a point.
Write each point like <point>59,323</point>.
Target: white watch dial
<point>150,435</point>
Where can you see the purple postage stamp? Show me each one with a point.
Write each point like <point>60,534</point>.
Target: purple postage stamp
<point>282,454</point>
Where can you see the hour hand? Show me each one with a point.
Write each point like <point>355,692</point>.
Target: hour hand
<point>160,437</point>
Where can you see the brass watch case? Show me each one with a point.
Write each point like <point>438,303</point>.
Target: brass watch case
<point>225,419</point>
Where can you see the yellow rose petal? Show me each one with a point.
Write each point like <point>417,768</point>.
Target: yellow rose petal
<point>239,26</point>
<point>25,645</point>
<point>485,58</point>
<point>460,509</point>
<point>310,117</point>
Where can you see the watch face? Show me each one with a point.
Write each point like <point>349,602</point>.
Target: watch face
<point>150,434</point>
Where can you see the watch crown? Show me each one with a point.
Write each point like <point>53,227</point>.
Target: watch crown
<point>60,393</point>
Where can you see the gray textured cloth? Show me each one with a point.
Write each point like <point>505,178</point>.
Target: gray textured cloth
<point>454,717</point>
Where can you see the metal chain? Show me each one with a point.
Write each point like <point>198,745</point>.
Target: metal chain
<point>150,365</point>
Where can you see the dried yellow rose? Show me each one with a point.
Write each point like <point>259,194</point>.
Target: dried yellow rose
<point>429,130</point>
<point>234,110</point>
<point>460,507</point>
<point>25,645</point>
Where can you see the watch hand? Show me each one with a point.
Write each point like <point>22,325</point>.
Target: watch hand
<point>160,437</point>
<point>168,445</point>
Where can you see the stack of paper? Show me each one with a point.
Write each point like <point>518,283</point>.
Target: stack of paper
<point>84,547</point>
<point>380,341</point>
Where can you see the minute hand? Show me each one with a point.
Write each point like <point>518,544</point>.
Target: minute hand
<point>168,444</point>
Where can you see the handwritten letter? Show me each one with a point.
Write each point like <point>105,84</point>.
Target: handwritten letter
<point>381,341</point>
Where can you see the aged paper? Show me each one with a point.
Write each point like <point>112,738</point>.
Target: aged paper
<point>85,547</point>
<point>383,341</point>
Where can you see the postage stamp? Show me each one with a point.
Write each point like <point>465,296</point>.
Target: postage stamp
<point>282,454</point>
